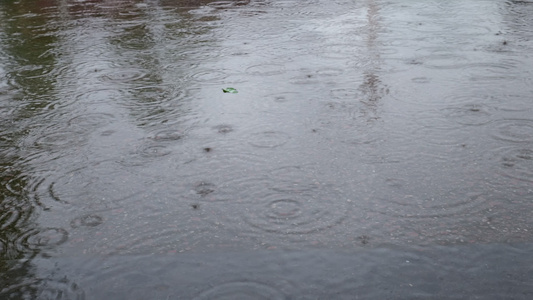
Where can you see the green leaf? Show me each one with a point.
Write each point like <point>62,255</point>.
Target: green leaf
<point>230,90</point>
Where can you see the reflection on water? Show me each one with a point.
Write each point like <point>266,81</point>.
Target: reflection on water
<point>358,125</point>
<point>372,87</point>
<point>433,272</point>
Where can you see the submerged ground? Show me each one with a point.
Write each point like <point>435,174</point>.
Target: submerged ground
<point>373,149</point>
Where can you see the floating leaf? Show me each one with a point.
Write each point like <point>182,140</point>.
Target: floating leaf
<point>230,90</point>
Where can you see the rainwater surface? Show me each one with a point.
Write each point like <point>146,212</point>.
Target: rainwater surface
<point>375,149</point>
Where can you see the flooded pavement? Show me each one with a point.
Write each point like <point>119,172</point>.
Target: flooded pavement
<point>364,134</point>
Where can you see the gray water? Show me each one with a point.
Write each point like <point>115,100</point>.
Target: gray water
<point>364,134</point>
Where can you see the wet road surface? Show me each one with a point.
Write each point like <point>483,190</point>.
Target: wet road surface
<point>361,133</point>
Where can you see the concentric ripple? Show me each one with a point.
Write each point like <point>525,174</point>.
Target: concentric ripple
<point>516,163</point>
<point>92,188</point>
<point>168,135</point>
<point>458,99</point>
<point>149,150</point>
<point>272,102</point>
<point>41,239</point>
<point>293,201</point>
<point>60,139</point>
<point>8,217</point>
<point>123,75</point>
<point>266,69</point>
<point>283,208</point>
<point>503,70</point>
<point>446,204</point>
<point>54,188</point>
<point>14,215</point>
<point>210,76</point>
<point>223,128</point>
<point>204,188</point>
<point>16,203</point>
<point>350,135</point>
<point>470,114</point>
<point>444,60</point>
<point>298,213</point>
<point>94,96</point>
<point>437,128</point>
<point>90,121</point>
<point>288,200</point>
<point>293,179</point>
<point>13,182</point>
<point>514,130</point>
<point>241,290</point>
<point>268,139</point>
<point>45,288</point>
<point>90,220</point>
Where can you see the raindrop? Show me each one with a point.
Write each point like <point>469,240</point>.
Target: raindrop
<point>168,135</point>
<point>87,221</point>
<point>223,128</point>
<point>204,188</point>
<point>151,150</point>
<point>421,80</point>
<point>283,97</point>
<point>514,130</point>
<point>516,163</point>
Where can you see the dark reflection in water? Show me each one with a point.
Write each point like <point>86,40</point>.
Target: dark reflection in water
<point>358,125</point>
<point>26,92</point>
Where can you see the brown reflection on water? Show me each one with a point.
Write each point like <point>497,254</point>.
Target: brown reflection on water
<point>372,86</point>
